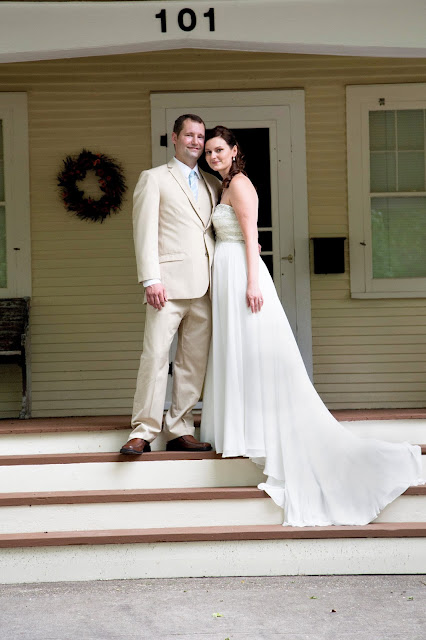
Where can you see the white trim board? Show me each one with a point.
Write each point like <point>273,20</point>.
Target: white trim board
<point>13,113</point>
<point>361,100</point>
<point>50,30</point>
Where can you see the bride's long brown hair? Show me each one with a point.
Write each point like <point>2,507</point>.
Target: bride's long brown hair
<point>238,165</point>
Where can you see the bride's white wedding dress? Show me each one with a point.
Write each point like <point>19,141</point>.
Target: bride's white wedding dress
<point>259,402</point>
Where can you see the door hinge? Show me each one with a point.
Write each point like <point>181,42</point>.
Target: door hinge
<point>163,140</point>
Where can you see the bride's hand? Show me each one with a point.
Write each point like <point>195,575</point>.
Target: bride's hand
<point>254,299</point>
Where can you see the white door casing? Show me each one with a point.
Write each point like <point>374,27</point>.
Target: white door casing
<point>13,115</point>
<point>282,112</point>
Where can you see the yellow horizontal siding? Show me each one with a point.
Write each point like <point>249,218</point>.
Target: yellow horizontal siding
<point>87,312</point>
<point>10,391</point>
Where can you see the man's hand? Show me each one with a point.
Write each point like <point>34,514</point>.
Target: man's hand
<point>156,296</point>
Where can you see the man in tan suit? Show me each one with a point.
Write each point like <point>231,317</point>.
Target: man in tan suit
<point>174,247</point>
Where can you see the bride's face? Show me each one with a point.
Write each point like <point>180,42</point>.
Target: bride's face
<point>219,155</point>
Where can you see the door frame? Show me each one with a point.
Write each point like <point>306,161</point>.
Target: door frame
<point>14,115</point>
<point>294,99</point>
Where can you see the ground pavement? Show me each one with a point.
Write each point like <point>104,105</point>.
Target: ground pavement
<point>288,608</point>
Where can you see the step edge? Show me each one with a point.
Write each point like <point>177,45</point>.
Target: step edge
<point>130,495</point>
<point>168,494</point>
<point>211,534</point>
<point>105,456</point>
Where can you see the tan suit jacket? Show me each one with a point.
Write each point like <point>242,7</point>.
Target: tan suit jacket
<point>174,241</point>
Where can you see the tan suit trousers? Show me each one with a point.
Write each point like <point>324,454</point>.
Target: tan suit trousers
<point>192,320</point>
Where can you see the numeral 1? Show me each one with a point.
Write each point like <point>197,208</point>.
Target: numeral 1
<point>162,16</point>
<point>210,15</point>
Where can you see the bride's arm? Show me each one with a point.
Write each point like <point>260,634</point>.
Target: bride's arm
<point>243,198</point>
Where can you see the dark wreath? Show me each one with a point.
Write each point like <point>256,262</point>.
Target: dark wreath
<point>111,182</point>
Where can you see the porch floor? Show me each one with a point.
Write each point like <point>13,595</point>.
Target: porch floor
<point>108,423</point>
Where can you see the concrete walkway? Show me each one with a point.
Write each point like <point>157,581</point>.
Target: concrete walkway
<point>291,608</point>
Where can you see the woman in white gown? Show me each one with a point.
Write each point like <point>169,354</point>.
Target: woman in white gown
<point>258,399</point>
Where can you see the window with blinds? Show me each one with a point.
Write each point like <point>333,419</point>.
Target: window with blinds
<point>386,132</point>
<point>398,193</point>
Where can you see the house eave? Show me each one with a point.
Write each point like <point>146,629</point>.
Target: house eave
<point>52,30</point>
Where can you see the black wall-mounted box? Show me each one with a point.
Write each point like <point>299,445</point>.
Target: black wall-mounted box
<point>329,255</point>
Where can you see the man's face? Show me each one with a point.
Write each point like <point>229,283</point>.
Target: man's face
<point>189,144</point>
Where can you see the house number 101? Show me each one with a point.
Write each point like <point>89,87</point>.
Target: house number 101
<point>187,19</point>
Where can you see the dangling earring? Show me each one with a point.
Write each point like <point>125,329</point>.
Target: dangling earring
<point>233,159</point>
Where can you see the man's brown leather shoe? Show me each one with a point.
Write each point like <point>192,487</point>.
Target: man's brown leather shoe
<point>135,447</point>
<point>187,443</point>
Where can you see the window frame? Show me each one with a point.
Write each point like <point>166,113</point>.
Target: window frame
<point>360,100</point>
<point>14,115</point>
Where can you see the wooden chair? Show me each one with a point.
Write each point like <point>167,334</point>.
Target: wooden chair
<point>14,322</point>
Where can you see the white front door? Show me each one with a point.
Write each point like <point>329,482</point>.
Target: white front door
<point>270,128</point>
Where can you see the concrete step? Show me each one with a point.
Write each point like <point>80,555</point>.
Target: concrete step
<point>140,510</point>
<point>109,433</point>
<point>78,472</point>
<point>178,514</point>
<point>220,551</point>
<point>207,470</point>
<point>163,508</point>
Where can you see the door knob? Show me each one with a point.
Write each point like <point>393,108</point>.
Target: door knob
<point>290,257</point>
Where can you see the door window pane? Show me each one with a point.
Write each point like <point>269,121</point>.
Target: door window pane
<point>265,240</point>
<point>3,264</point>
<point>268,260</point>
<point>254,144</point>
<point>399,237</point>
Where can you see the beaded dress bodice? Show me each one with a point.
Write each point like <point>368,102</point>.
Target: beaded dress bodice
<point>226,225</point>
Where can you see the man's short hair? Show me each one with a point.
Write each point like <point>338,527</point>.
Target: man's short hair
<point>178,125</point>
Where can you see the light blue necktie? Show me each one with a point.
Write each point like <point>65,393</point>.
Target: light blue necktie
<point>193,183</point>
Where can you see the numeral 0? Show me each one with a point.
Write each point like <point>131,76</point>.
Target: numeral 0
<point>192,19</point>
<point>182,19</point>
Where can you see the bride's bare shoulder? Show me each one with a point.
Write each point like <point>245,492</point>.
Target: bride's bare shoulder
<point>241,184</point>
